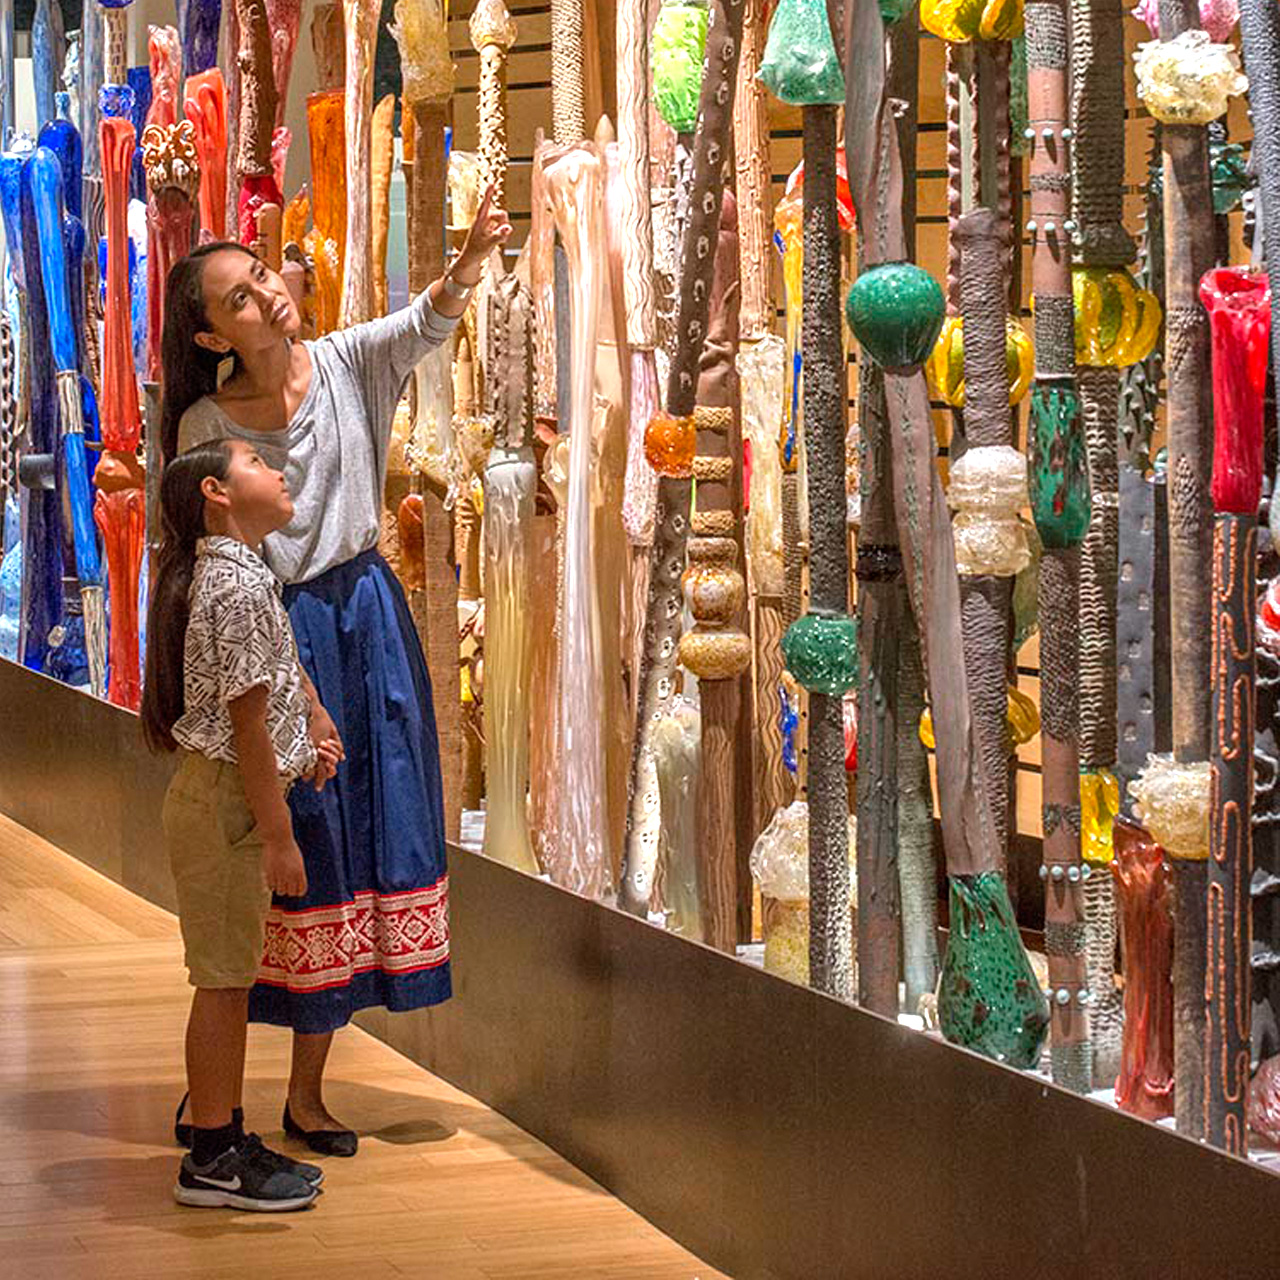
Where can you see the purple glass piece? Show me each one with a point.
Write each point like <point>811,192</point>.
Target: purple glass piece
<point>198,22</point>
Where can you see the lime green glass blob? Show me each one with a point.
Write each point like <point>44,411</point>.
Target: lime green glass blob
<point>821,651</point>
<point>679,42</point>
<point>800,65</point>
<point>1059,471</point>
<point>988,997</point>
<point>896,311</point>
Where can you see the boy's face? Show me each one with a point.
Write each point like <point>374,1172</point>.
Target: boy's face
<point>259,499</point>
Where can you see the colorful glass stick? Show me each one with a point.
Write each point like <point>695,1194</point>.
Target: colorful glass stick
<point>46,184</point>
<point>205,105</point>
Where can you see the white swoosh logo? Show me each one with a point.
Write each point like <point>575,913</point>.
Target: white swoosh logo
<point>227,1184</point>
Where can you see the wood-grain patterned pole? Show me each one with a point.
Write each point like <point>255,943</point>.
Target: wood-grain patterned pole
<point>1188,227</point>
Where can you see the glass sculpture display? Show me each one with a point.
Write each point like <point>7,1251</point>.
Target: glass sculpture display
<point>1188,80</point>
<point>198,22</point>
<point>963,20</point>
<point>896,311</point>
<point>679,38</point>
<point>989,999</point>
<point>988,488</point>
<point>325,242</point>
<point>205,105</point>
<point>1117,323</point>
<point>946,364</point>
<point>800,65</point>
<point>1144,894</point>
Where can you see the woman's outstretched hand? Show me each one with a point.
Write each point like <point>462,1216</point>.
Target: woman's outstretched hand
<point>491,228</point>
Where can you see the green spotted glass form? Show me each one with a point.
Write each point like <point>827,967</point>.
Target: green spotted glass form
<point>988,998</point>
<point>821,651</point>
<point>679,42</point>
<point>893,11</point>
<point>800,65</point>
<point>896,311</point>
<point>1059,476</point>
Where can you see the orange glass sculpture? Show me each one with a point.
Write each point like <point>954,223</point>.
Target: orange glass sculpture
<point>205,105</point>
<point>413,569</point>
<point>669,445</point>
<point>325,241</point>
<point>1144,895</point>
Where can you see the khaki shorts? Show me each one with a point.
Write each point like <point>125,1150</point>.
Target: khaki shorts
<point>217,864</point>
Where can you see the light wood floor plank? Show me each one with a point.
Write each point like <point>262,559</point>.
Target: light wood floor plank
<point>93,1001</point>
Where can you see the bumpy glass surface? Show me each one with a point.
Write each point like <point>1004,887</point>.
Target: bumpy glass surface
<point>1058,468</point>
<point>1117,321</point>
<point>1172,801</point>
<point>1217,17</point>
<point>896,311</point>
<point>1188,80</point>
<point>679,41</point>
<point>1230,174</point>
<point>669,445</point>
<point>1239,304</point>
<point>800,65</point>
<point>987,490</point>
<point>1099,804</point>
<point>821,651</point>
<point>988,998</point>
<point>946,364</point>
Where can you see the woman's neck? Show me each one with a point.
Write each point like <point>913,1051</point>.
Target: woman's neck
<point>264,372</point>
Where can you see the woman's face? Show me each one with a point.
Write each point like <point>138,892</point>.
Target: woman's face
<point>248,305</point>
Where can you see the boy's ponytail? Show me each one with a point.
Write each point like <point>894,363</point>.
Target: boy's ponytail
<point>182,523</point>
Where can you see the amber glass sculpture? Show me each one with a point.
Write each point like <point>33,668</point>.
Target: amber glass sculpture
<point>325,241</point>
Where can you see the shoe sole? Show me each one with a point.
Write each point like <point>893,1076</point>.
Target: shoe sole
<point>214,1198</point>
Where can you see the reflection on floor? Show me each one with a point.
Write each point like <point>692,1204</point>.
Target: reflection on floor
<point>93,1001</point>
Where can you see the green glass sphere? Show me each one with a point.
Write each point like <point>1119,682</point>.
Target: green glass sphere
<point>896,311</point>
<point>1058,469</point>
<point>989,999</point>
<point>821,651</point>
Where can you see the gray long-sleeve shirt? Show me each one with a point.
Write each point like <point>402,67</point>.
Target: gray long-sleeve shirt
<point>334,450</point>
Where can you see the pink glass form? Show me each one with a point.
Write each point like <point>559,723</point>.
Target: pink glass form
<point>1238,300</point>
<point>1144,896</point>
<point>121,517</point>
<point>1264,1100</point>
<point>206,108</point>
<point>285,17</point>
<point>121,421</point>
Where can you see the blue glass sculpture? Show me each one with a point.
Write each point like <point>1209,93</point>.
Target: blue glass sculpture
<point>63,139</point>
<point>42,599</point>
<point>46,58</point>
<point>140,83</point>
<point>46,186</point>
<point>198,22</point>
<point>11,580</point>
<point>116,100</point>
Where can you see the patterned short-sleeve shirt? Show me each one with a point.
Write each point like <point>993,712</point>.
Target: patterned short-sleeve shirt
<point>239,637</point>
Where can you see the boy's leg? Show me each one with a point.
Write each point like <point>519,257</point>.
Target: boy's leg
<point>216,1034</point>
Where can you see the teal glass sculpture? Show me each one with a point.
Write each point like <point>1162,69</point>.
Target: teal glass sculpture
<point>988,997</point>
<point>893,11</point>
<point>800,65</point>
<point>821,651</point>
<point>896,311</point>
<point>679,42</point>
<point>1059,471</point>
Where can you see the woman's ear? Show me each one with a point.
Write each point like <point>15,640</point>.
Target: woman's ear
<point>211,342</point>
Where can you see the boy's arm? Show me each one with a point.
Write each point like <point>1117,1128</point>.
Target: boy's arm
<point>282,861</point>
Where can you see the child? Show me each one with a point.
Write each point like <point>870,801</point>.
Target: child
<point>224,685</point>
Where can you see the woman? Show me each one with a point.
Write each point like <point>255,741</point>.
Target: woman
<point>372,928</point>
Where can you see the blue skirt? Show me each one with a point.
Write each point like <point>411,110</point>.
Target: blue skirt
<point>373,928</point>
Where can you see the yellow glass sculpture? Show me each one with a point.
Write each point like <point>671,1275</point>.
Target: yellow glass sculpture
<point>326,241</point>
<point>1023,721</point>
<point>1099,804</point>
<point>963,20</point>
<point>946,365</point>
<point>1117,323</point>
<point>1172,801</point>
<point>787,220</point>
<point>669,445</point>
<point>987,490</point>
<point>421,33</point>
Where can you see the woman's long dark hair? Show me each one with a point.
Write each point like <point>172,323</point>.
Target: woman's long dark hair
<point>182,526</point>
<point>188,370</point>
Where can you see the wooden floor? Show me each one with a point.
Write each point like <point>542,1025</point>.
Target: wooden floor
<point>93,1001</point>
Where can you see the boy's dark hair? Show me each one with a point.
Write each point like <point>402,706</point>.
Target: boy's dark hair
<point>182,526</point>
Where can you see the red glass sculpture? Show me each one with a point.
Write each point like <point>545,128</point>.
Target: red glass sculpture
<point>1144,893</point>
<point>1238,300</point>
<point>120,515</point>
<point>206,108</point>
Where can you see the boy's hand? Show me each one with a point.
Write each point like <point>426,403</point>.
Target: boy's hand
<point>283,867</point>
<point>329,756</point>
<point>322,729</point>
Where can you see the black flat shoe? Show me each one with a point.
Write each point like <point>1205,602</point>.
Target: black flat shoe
<point>324,1142</point>
<point>182,1132</point>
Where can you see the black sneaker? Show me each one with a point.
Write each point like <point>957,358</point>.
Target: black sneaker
<point>275,1161</point>
<point>241,1179</point>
